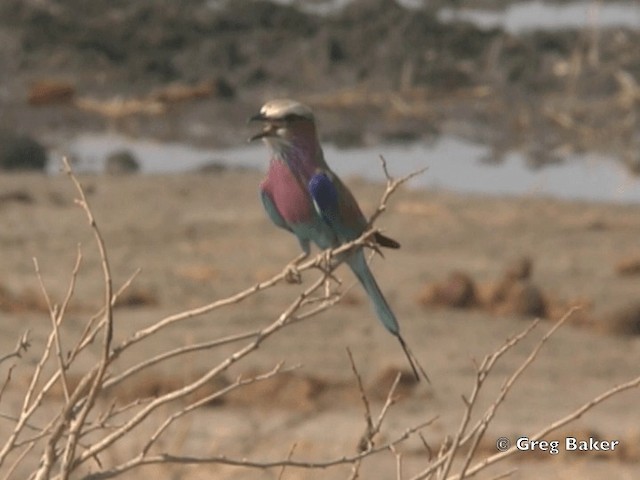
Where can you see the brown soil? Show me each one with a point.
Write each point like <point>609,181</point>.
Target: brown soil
<point>195,245</point>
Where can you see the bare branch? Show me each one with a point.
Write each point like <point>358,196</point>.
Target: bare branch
<point>398,458</point>
<point>79,420</point>
<point>445,462</point>
<point>207,400</point>
<point>633,383</point>
<point>387,404</point>
<point>224,460</point>
<point>21,347</point>
<point>289,457</point>
<point>366,441</point>
<point>392,186</point>
<point>88,335</point>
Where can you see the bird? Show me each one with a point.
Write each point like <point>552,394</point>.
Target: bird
<point>302,195</point>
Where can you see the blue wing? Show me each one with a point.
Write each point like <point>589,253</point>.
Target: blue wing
<point>325,197</point>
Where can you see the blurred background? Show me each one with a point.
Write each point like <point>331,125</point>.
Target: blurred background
<point>526,96</point>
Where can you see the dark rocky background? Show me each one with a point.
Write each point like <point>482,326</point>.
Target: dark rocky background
<point>193,71</point>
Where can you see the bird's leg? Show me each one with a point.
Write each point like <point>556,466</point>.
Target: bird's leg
<point>327,265</point>
<point>292,275</point>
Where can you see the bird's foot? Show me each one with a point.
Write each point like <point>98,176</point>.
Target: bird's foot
<point>292,274</point>
<point>327,264</point>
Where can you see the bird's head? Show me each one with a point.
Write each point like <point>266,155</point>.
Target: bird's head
<point>286,123</point>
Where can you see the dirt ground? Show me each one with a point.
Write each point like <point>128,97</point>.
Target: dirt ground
<point>198,238</point>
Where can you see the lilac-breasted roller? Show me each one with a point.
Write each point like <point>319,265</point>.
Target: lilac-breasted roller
<point>304,196</point>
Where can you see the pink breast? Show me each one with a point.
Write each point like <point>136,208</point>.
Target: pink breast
<point>289,195</point>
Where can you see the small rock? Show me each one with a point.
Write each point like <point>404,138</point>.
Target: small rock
<point>628,266</point>
<point>223,88</point>
<point>214,166</point>
<point>457,291</point>
<point>20,152</point>
<point>121,163</point>
<point>623,321</point>
<point>519,269</point>
<point>291,391</point>
<point>524,298</point>
<point>17,196</point>
<point>515,271</point>
<point>139,297</point>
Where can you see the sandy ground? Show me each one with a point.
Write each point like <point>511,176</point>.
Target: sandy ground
<point>198,238</point>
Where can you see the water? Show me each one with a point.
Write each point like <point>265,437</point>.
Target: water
<point>453,164</point>
<point>520,17</point>
<point>318,7</point>
<point>517,17</point>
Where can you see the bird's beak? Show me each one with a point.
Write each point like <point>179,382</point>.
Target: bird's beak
<point>267,131</point>
<point>258,117</point>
